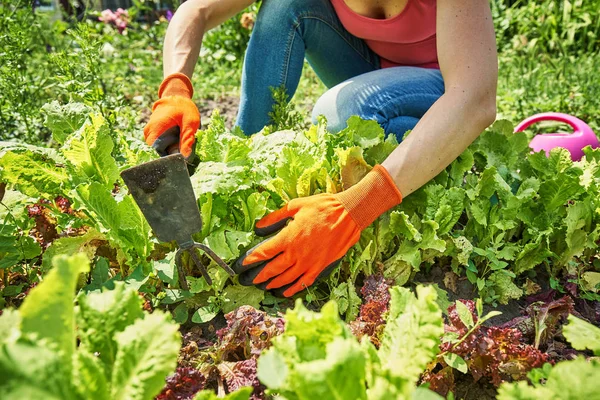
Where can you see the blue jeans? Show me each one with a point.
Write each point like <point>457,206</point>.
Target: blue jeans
<point>287,31</point>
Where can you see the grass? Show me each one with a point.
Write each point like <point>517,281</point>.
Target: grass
<point>531,80</point>
<point>527,85</point>
<point>530,85</point>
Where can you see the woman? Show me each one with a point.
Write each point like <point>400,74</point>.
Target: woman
<point>425,65</point>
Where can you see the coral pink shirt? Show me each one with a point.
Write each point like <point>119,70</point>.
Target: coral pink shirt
<point>408,39</point>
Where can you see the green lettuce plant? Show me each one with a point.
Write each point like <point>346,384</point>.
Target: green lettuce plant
<point>102,347</point>
<point>318,357</point>
<point>85,170</point>
<point>495,214</point>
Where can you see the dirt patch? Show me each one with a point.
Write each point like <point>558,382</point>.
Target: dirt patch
<point>467,389</point>
<point>227,105</point>
<point>462,289</point>
<point>145,114</point>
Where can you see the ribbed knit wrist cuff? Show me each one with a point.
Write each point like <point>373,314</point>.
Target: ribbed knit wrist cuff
<point>372,196</point>
<point>176,85</point>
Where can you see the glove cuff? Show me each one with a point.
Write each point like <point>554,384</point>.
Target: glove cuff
<point>176,85</point>
<point>372,196</point>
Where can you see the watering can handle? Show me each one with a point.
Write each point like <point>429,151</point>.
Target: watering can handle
<point>578,125</point>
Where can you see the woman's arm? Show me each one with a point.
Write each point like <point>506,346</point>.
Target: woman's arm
<point>468,60</point>
<point>186,30</point>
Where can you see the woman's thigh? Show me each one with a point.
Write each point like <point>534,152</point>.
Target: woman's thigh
<point>394,97</point>
<point>287,32</point>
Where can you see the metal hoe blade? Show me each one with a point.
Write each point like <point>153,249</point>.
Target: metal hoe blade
<point>163,191</point>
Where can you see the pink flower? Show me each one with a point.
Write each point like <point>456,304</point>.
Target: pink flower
<point>118,19</point>
<point>107,16</point>
<point>119,23</point>
<point>121,12</point>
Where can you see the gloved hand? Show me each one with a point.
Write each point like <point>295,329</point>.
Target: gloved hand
<point>321,229</point>
<point>175,117</point>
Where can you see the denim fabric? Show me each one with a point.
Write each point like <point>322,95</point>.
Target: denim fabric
<point>287,31</point>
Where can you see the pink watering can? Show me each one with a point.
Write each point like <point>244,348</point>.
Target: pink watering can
<point>574,142</point>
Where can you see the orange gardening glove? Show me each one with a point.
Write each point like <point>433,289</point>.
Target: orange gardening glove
<point>321,229</point>
<point>175,118</point>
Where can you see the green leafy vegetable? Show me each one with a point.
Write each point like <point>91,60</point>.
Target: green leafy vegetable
<point>63,120</point>
<point>32,174</point>
<point>40,358</point>
<point>89,152</point>
<point>318,357</point>
<point>582,335</point>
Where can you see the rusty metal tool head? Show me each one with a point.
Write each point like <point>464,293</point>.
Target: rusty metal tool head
<point>163,190</point>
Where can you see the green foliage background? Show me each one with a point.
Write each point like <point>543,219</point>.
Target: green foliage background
<point>75,96</point>
<point>102,82</point>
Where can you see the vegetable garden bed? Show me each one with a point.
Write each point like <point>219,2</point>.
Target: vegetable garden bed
<point>499,225</point>
<point>90,306</point>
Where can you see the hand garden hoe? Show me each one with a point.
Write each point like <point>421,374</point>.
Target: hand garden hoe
<point>163,190</point>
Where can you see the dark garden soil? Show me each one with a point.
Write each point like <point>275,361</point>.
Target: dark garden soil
<point>516,315</point>
<point>227,106</point>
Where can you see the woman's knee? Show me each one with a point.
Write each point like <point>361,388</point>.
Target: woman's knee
<point>336,106</point>
<point>382,95</point>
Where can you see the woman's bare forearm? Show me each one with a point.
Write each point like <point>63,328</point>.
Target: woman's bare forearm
<point>443,133</point>
<point>469,64</point>
<point>187,28</point>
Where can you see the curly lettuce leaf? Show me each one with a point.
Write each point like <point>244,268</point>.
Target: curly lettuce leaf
<point>364,133</point>
<point>312,331</point>
<point>582,335</point>
<point>147,353</point>
<point>89,153</point>
<point>412,334</point>
<point>40,363</point>
<point>238,295</point>
<point>316,356</point>
<point>103,314</point>
<point>220,178</point>
<point>47,312</point>
<point>39,357</point>
<point>63,120</point>
<point>341,375</point>
<point>504,287</point>
<point>34,371</point>
<point>121,221</point>
<point>86,244</point>
<point>89,376</point>
<point>33,174</point>
<point>568,380</point>
<point>353,166</point>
